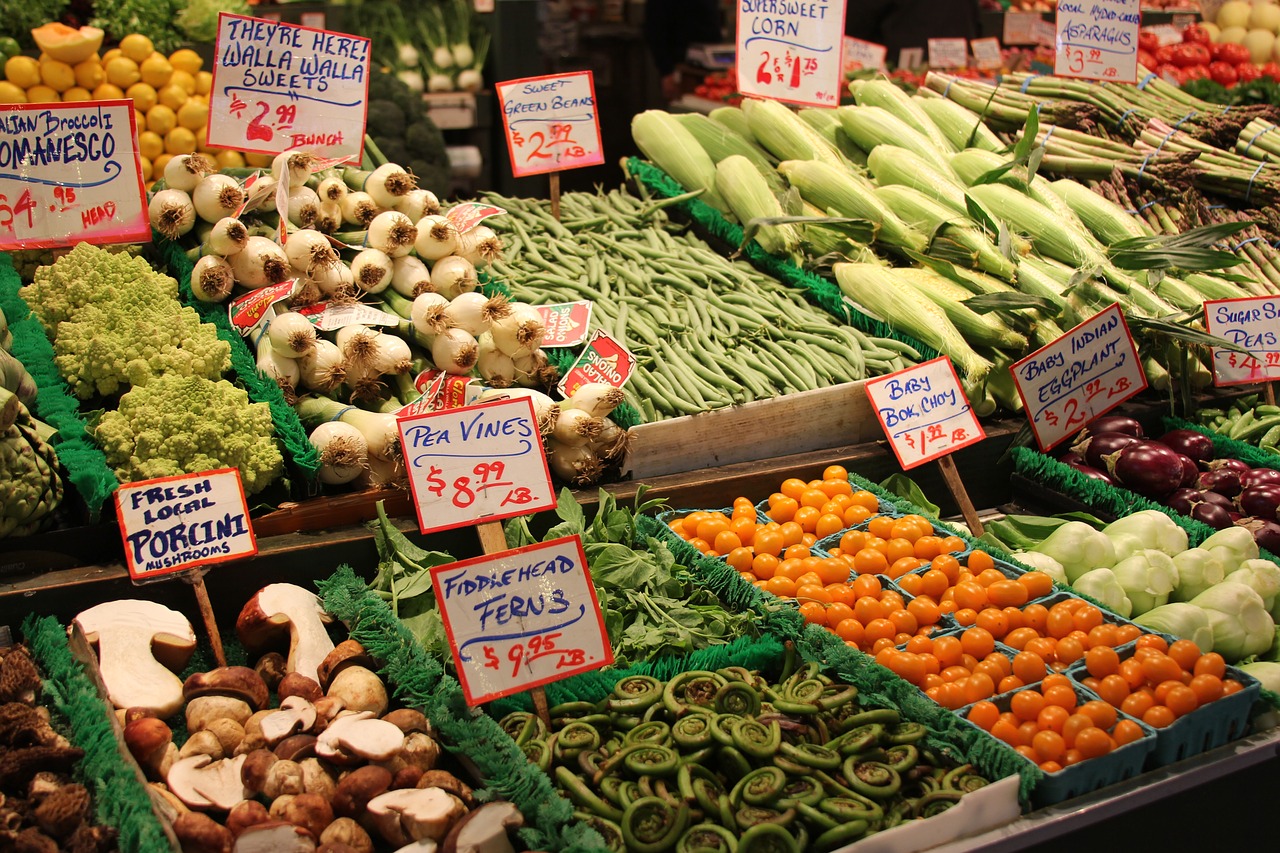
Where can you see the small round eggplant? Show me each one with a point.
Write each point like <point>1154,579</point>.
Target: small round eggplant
<point>1224,481</point>
<point>1097,447</point>
<point>1190,443</point>
<point>1147,467</point>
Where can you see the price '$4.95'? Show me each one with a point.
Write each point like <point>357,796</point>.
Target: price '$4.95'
<point>552,123</point>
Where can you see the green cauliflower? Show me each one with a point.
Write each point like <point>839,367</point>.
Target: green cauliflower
<point>90,275</point>
<point>188,424</point>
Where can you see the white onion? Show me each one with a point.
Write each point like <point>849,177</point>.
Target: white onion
<point>391,232</point>
<point>212,279</point>
<point>329,217</point>
<point>358,344</point>
<point>358,208</point>
<point>519,332</point>
<point>418,203</point>
<point>437,238</point>
<point>216,196</point>
<point>576,427</point>
<point>171,213</point>
<point>475,312</point>
<point>410,276</point>
<point>184,171</point>
<point>388,183</point>
<point>260,263</point>
<point>227,236</point>
<point>612,443</point>
<point>453,275</point>
<point>291,335</point>
<point>304,206</point>
<point>393,355</point>
<point>331,189</point>
<point>595,398</point>
<point>455,351</point>
<point>371,270</point>
<point>322,368</point>
<point>481,245</point>
<point>344,452</point>
<point>470,80</point>
<point>283,370</point>
<point>336,282</point>
<point>295,164</point>
<point>546,410</point>
<point>427,313</point>
<point>495,366</point>
<point>576,464</point>
<point>439,82</point>
<point>309,250</point>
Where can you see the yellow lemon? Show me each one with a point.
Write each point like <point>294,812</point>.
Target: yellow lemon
<point>258,161</point>
<point>137,47</point>
<point>77,93</point>
<point>184,79</point>
<point>193,115</point>
<point>146,167</point>
<point>108,92</point>
<point>156,70</point>
<point>202,138</point>
<point>58,76</point>
<point>42,95</point>
<point>11,94</point>
<point>22,71</point>
<point>150,144</point>
<point>123,72</point>
<point>158,163</point>
<point>111,54</point>
<point>186,59</point>
<point>139,118</point>
<point>204,82</point>
<point>89,74</point>
<point>161,120</point>
<point>144,97</point>
<point>180,141</point>
<point>229,159</point>
<point>172,96</point>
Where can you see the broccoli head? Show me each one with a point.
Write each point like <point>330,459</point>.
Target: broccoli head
<point>425,141</point>
<point>385,86</point>
<point>91,275</point>
<point>386,121</point>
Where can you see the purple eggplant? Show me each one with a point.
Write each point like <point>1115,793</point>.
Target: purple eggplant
<point>1224,481</point>
<point>1184,499</point>
<point>1115,423</point>
<point>1228,464</point>
<point>1212,515</point>
<point>1190,443</point>
<point>1217,499</point>
<point>1190,470</point>
<point>1260,477</point>
<point>1265,532</point>
<point>1072,458</point>
<point>1093,473</point>
<point>1235,516</point>
<point>1262,501</point>
<point>1096,448</point>
<point>1147,467</point>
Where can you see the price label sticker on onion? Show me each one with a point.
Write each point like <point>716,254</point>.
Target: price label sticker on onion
<point>791,52</point>
<point>279,87</point>
<point>924,412</point>
<point>70,173</point>
<point>520,619</point>
<point>1098,40</point>
<point>566,323</point>
<point>604,360</point>
<point>480,463</point>
<point>1082,375</point>
<point>1253,323</point>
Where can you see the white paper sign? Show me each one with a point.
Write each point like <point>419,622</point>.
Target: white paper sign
<point>924,412</point>
<point>520,619</point>
<point>70,173</point>
<point>172,524</point>
<point>1081,376</point>
<point>986,53</point>
<point>1252,322</point>
<point>948,53</point>
<point>791,52</point>
<point>1020,27</point>
<point>552,123</point>
<point>278,87</point>
<point>859,54</point>
<point>329,317</point>
<point>911,57</point>
<point>478,463</point>
<point>1044,32</point>
<point>1098,40</point>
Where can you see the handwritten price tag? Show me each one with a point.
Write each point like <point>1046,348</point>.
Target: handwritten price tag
<point>566,322</point>
<point>280,86</point>
<point>1020,27</point>
<point>924,412</point>
<point>1098,40</point>
<point>70,173</point>
<point>859,54</point>
<point>1082,375</point>
<point>1253,323</point>
<point>986,53</point>
<point>791,52</point>
<point>172,524</point>
<point>477,463</point>
<point>520,619</point>
<point>948,53</point>
<point>552,123</point>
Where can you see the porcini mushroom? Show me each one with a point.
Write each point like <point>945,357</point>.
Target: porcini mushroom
<point>139,644</point>
<point>274,837</point>
<point>150,742</point>
<point>411,814</point>
<point>238,681</point>
<point>345,654</point>
<point>348,832</point>
<point>360,689</point>
<point>199,833</point>
<point>359,735</point>
<point>294,716</point>
<point>484,830</point>
<point>202,783</point>
<point>279,607</point>
<point>357,788</point>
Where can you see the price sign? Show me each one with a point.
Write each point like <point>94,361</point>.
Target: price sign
<point>791,52</point>
<point>172,524</point>
<point>859,54</point>
<point>948,53</point>
<point>604,359</point>
<point>329,316</point>
<point>278,87</point>
<point>552,123</point>
<point>911,57</point>
<point>924,412</point>
<point>70,173</point>
<point>1253,323</point>
<point>520,619</point>
<point>566,323</point>
<point>442,390</point>
<point>986,53</point>
<point>248,312</point>
<point>1020,27</point>
<point>1046,35</point>
<point>1098,40</point>
<point>477,463</point>
<point>1082,375</point>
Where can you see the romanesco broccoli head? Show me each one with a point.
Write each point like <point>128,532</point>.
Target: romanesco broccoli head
<point>187,424</point>
<point>89,275</point>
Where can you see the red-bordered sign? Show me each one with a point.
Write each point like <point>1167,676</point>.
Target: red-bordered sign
<point>924,412</point>
<point>1252,322</point>
<point>552,123</point>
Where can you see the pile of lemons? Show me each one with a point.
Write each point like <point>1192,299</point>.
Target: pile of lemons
<point>170,95</point>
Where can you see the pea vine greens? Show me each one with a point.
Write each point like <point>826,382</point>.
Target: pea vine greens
<point>652,605</point>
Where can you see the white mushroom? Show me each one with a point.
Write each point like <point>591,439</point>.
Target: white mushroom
<point>359,689</point>
<point>424,845</point>
<point>359,735</point>
<point>412,814</point>
<point>295,715</point>
<point>485,830</point>
<point>203,783</point>
<point>140,643</point>
<point>274,837</point>
<point>280,606</point>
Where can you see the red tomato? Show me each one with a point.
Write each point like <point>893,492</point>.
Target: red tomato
<point>1146,58</point>
<point>1169,71</point>
<point>1224,74</point>
<point>1195,72</point>
<point>1233,54</point>
<point>1248,72</point>
<point>1165,53</point>
<point>1193,33</point>
<point>1191,53</point>
<point>1148,41</point>
<point>1271,70</point>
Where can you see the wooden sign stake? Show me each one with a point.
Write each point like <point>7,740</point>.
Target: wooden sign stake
<point>493,539</point>
<point>1269,392</point>
<point>952,477</point>
<point>554,178</point>
<point>206,613</point>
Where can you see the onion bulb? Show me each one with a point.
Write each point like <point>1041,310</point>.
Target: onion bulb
<point>227,236</point>
<point>184,171</point>
<point>475,312</point>
<point>344,453</point>
<point>546,410</point>
<point>305,292</point>
<point>291,335</point>
<point>216,196</point>
<point>365,382</point>
<point>428,313</point>
<point>470,80</point>
<point>322,368</point>
<point>495,366</point>
<point>358,208</point>
<point>410,276</point>
<point>576,427</point>
<point>371,270</point>
<point>309,250</point>
<point>260,263</point>
<point>329,217</point>
<point>393,355</point>
<point>576,464</point>
<point>212,279</point>
<point>283,370</point>
<point>455,351</point>
<point>520,332</point>
<point>437,238</point>
<point>481,245</point>
<point>418,203</point>
<point>304,207</point>
<point>453,275</point>
<point>612,443</point>
<point>383,474</point>
<point>359,345</point>
<point>388,183</point>
<point>293,165</point>
<point>172,213</point>
<point>595,398</point>
<point>391,232</point>
<point>336,282</point>
<point>331,189</point>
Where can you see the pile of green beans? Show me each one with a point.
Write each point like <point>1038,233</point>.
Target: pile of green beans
<point>708,332</point>
<point>725,761</point>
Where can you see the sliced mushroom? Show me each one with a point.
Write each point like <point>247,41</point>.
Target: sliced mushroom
<point>423,845</point>
<point>275,837</point>
<point>295,715</point>
<point>165,802</point>
<point>139,645</point>
<point>283,606</point>
<point>452,784</point>
<point>350,738</point>
<point>202,783</point>
<point>238,681</point>
<point>485,830</point>
<point>345,654</point>
<point>360,689</point>
<point>411,814</point>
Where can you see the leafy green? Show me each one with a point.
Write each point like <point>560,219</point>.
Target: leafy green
<point>404,582</point>
<point>198,20</point>
<point>19,19</point>
<point>905,487</point>
<point>152,18</point>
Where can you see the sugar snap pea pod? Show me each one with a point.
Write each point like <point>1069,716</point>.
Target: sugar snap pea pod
<point>902,757</point>
<point>872,779</point>
<point>845,833</point>
<point>748,816</point>
<point>906,731</point>
<point>609,831</point>
<point>760,787</point>
<point>575,738</point>
<point>757,739</point>
<point>820,821</point>
<point>653,825</point>
<point>801,789</point>
<point>732,762</point>
<point>584,797</point>
<point>722,726</point>
<point>811,755</point>
<point>693,731</point>
<point>691,691</point>
<point>852,808</point>
<point>935,802</point>
<point>737,697</point>
<point>858,739</point>
<point>635,693</point>
<point>707,838</point>
<point>652,732</point>
<point>883,716</point>
<point>570,710</point>
<point>538,752</point>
